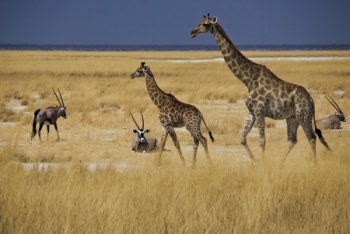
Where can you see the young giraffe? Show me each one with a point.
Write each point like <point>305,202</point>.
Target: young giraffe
<point>268,96</point>
<point>174,114</point>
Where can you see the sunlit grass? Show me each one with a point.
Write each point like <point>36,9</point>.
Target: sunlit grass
<point>55,186</point>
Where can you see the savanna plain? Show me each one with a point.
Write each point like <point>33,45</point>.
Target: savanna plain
<point>91,182</point>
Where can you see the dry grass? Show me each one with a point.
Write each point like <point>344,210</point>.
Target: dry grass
<point>127,192</point>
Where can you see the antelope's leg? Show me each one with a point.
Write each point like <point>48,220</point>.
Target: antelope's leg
<point>39,132</point>
<point>58,136</point>
<point>48,131</point>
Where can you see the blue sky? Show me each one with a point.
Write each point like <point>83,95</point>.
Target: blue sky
<point>161,22</point>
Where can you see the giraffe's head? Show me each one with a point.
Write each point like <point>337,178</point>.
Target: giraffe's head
<point>141,71</point>
<point>204,26</point>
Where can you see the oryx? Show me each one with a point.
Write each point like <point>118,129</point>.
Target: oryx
<point>140,143</point>
<point>49,116</point>
<point>333,121</point>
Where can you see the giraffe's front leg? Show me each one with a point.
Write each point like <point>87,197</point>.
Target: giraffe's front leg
<point>248,126</point>
<point>172,133</point>
<point>162,143</point>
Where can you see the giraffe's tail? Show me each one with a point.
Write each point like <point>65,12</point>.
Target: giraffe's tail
<point>210,134</point>
<point>319,134</point>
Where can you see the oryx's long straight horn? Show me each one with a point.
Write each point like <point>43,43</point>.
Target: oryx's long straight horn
<point>143,122</point>
<point>333,103</point>
<point>57,97</point>
<point>135,121</point>
<point>61,98</point>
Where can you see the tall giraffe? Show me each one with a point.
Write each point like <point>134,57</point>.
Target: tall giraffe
<point>174,114</point>
<point>268,95</point>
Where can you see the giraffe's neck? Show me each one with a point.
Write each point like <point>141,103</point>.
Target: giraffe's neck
<point>156,94</point>
<point>235,60</point>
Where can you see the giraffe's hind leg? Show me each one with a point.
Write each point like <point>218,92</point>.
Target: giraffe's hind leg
<point>311,136</point>
<point>292,127</point>
<point>195,147</point>
<point>261,125</point>
<point>248,126</point>
<point>198,137</point>
<point>203,141</point>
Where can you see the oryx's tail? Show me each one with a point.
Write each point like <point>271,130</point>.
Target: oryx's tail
<point>210,135</point>
<point>34,124</point>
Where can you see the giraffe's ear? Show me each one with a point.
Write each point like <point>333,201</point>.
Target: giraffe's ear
<point>214,20</point>
<point>145,68</point>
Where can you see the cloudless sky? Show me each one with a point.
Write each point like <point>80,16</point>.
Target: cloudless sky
<point>162,22</point>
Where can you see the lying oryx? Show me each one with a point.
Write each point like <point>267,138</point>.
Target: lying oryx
<point>140,143</point>
<point>333,121</point>
<point>49,116</point>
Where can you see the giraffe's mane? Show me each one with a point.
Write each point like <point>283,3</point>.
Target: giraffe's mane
<point>150,73</point>
<point>222,32</point>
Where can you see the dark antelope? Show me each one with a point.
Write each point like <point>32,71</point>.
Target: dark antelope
<point>49,116</point>
<point>140,143</point>
<point>333,121</point>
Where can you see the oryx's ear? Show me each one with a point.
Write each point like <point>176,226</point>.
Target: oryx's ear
<point>147,131</point>
<point>214,20</point>
<point>135,131</point>
<point>145,68</point>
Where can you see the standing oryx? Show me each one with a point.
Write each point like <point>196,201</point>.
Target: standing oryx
<point>140,143</point>
<point>333,121</point>
<point>49,116</point>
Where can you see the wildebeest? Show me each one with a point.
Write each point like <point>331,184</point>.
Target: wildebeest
<point>140,143</point>
<point>49,116</point>
<point>333,121</point>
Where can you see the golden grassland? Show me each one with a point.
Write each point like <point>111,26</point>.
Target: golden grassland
<point>91,182</point>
